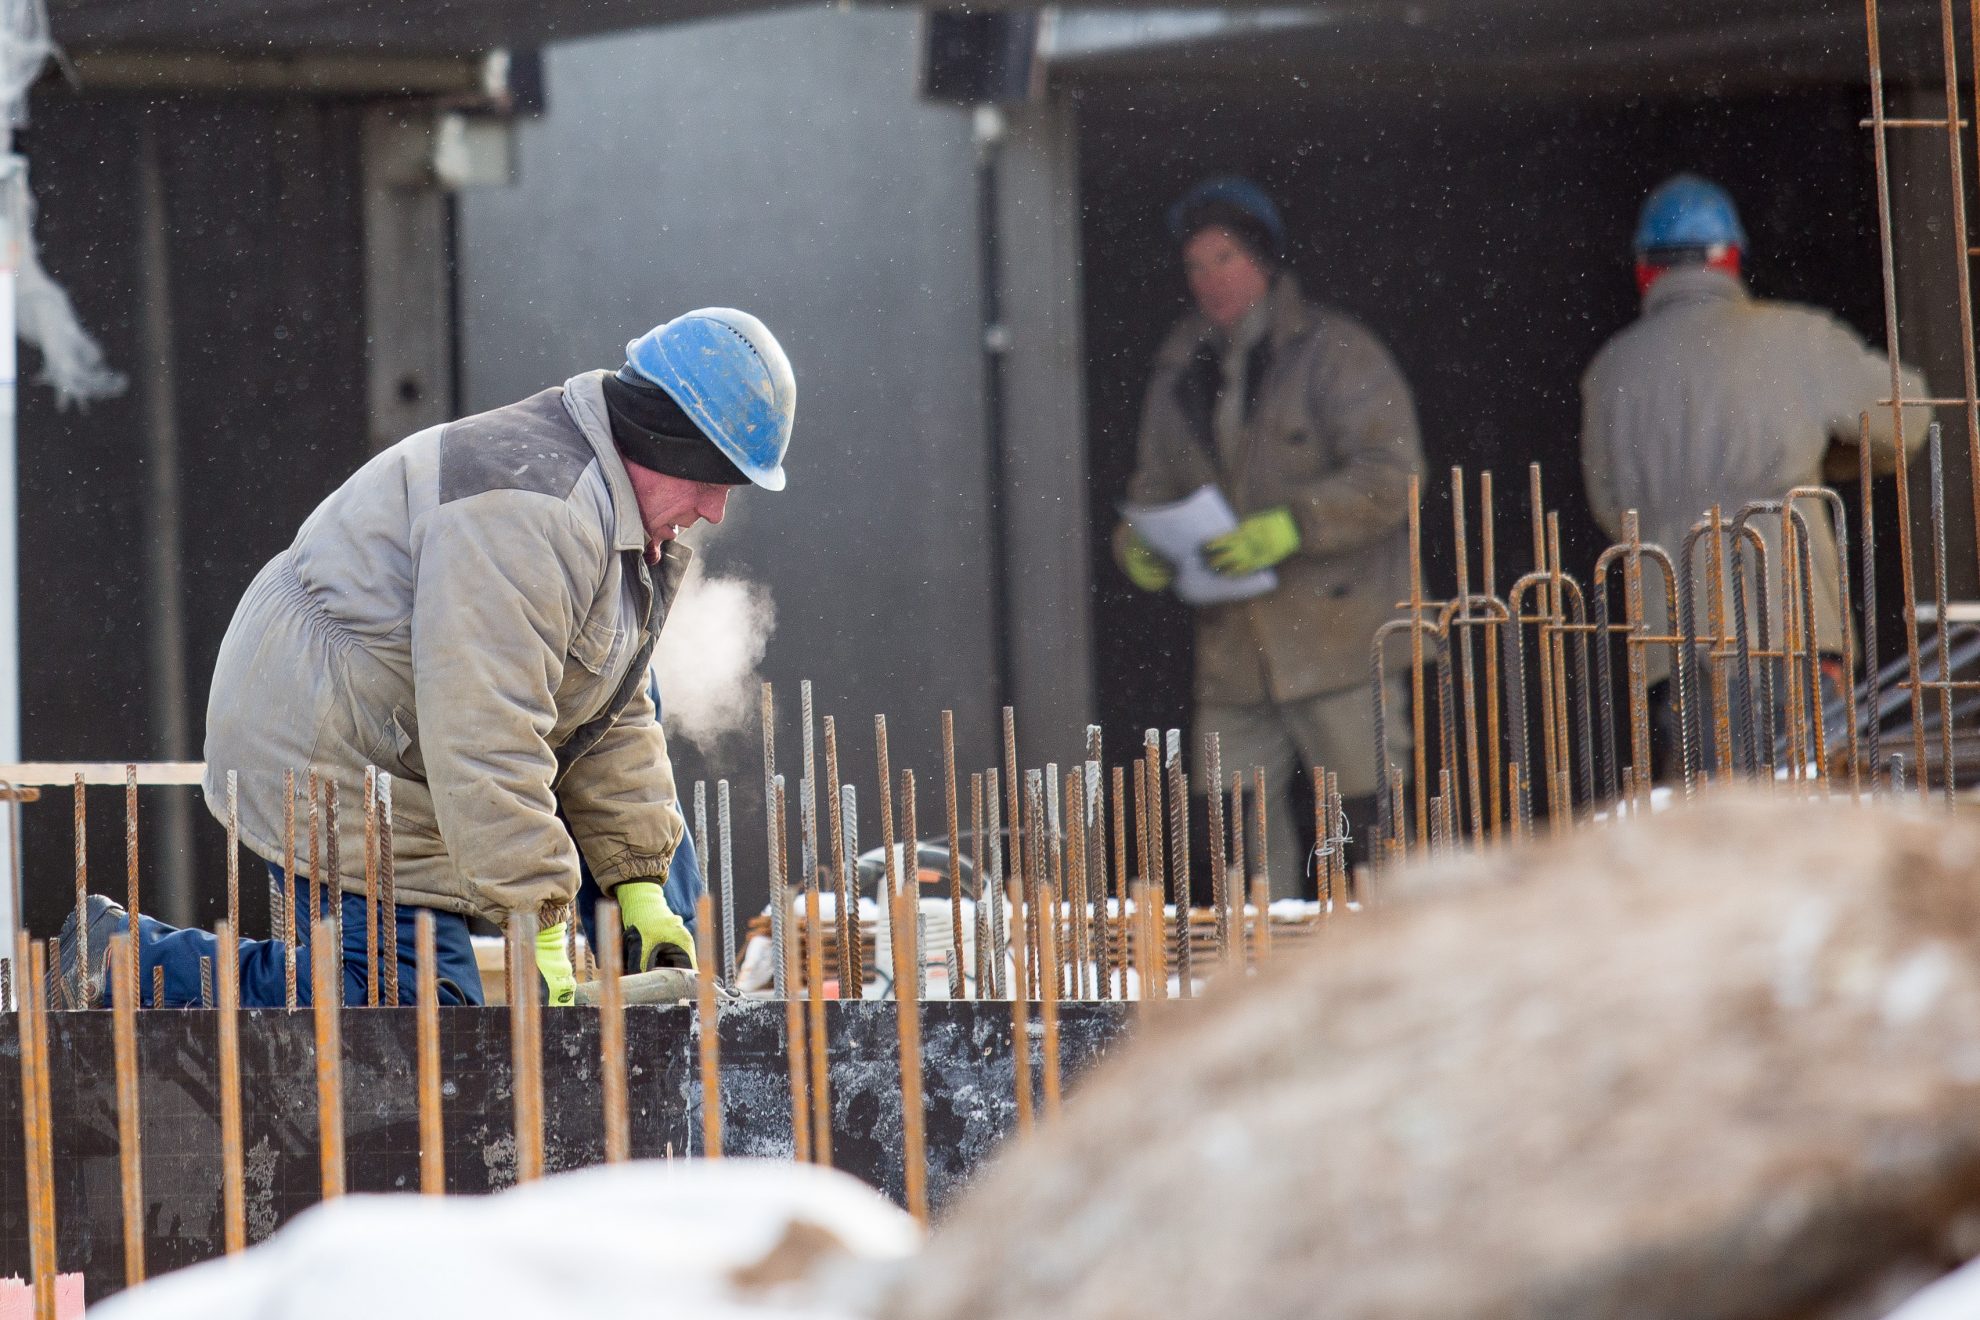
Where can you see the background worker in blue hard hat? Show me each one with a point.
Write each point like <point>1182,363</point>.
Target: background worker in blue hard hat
<point>1300,416</point>
<point>473,612</point>
<point>1713,396</point>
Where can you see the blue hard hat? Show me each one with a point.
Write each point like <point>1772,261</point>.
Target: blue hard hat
<point>731,377</point>
<point>1686,211</point>
<point>1231,190</point>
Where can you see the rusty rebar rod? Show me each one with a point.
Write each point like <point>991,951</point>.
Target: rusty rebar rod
<point>780,915</point>
<point>821,1080</point>
<point>130,1151</point>
<point>525,1048</point>
<point>133,970</point>
<point>38,1121</point>
<point>708,1027</point>
<point>949,799</point>
<point>233,1185</point>
<point>388,893</point>
<point>326,995</point>
<point>726,838</point>
<point>794,1050</point>
<point>1048,1013</point>
<point>845,886</point>
<point>426,999</point>
<point>1020,1015</point>
<point>907,1010</point>
<point>82,994</point>
<point>371,863</point>
<point>612,1034</point>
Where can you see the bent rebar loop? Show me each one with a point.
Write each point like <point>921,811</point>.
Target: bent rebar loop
<point>1636,636</point>
<point>1846,614</point>
<point>1461,613</point>
<point>1728,750</point>
<point>1385,826</point>
<point>1797,560</point>
<point>1559,623</point>
<point>1759,756</point>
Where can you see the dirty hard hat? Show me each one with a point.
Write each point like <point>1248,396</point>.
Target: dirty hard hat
<point>1688,212</point>
<point>730,376</point>
<point>1236,203</point>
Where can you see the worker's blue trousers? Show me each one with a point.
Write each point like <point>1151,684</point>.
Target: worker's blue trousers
<point>264,975</point>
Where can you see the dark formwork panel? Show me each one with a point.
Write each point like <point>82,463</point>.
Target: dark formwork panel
<point>971,1107</point>
<point>1486,243</point>
<point>265,301</point>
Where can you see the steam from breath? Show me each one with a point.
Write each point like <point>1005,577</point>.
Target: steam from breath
<point>707,655</point>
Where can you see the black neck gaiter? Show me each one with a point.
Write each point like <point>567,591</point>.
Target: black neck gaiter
<point>655,432</point>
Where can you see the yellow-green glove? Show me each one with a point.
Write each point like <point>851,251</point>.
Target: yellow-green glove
<point>553,965</point>
<point>654,936</point>
<point>1260,541</point>
<point>1143,566</point>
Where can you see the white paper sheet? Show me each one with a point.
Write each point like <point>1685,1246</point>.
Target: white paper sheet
<point>1177,532</point>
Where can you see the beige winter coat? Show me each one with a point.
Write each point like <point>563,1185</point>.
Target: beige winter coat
<point>1330,433</point>
<point>457,614</point>
<point>1713,396</point>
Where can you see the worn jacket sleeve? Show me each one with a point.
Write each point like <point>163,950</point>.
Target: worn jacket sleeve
<point>1359,395</point>
<point>1854,376</point>
<point>495,607</point>
<point>621,800</point>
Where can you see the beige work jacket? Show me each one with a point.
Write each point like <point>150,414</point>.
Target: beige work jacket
<point>1715,397</point>
<point>1330,432</point>
<point>461,613</point>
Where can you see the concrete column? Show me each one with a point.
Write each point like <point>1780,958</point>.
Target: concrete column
<point>1045,473</point>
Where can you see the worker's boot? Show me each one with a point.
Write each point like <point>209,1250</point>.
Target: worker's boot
<point>82,953</point>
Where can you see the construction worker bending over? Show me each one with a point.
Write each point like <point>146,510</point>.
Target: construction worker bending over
<point>1299,416</point>
<point>1713,396</point>
<point>473,612</point>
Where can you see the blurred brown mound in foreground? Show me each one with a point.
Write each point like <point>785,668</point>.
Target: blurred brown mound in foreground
<point>1726,1064</point>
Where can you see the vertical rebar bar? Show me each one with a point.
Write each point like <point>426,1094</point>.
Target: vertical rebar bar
<point>1179,869</point>
<point>794,1049</point>
<point>426,996</point>
<point>525,1049</point>
<point>1937,520</point>
<point>808,790</point>
<point>907,1009</point>
<point>1118,932</point>
<point>729,923</point>
<point>37,1121</point>
<point>313,783</point>
<point>1262,858</point>
<point>371,863</point>
<point>130,1151</point>
<point>1020,1014</point>
<point>1013,845</point>
<point>772,832</point>
<point>1048,1014</point>
<point>821,1081</point>
<point>134,967</point>
<point>994,886</point>
<point>83,993</point>
<point>612,1032</point>
<point>708,1026</point>
<point>233,1185</point>
<point>981,939</point>
<point>845,890</point>
<point>955,846</point>
<point>326,996</point>
<point>1886,241</point>
<point>388,892</point>
<point>1213,770</point>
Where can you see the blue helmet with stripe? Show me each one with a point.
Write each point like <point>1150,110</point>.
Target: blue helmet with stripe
<point>1687,211</point>
<point>730,376</point>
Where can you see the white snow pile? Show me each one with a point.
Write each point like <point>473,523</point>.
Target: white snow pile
<point>712,1239</point>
